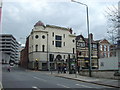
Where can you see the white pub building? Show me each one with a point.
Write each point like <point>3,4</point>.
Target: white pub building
<point>49,46</point>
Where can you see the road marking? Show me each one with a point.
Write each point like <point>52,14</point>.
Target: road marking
<point>83,85</point>
<point>35,87</point>
<point>40,79</point>
<point>63,85</point>
<point>1,87</point>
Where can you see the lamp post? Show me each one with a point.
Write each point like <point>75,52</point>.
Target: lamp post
<point>118,42</point>
<point>48,63</point>
<point>89,39</point>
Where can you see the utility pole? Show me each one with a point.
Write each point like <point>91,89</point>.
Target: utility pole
<point>48,64</point>
<point>89,38</point>
<point>118,42</point>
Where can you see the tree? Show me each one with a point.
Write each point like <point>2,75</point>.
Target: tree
<point>113,19</point>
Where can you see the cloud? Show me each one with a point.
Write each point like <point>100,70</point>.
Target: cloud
<point>20,17</point>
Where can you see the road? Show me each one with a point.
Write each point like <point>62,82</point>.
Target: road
<point>36,80</point>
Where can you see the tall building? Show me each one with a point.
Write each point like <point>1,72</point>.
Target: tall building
<point>50,45</point>
<point>83,52</point>
<point>9,48</point>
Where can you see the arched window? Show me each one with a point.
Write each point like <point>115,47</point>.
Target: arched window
<point>36,48</point>
<point>43,48</point>
<point>58,57</point>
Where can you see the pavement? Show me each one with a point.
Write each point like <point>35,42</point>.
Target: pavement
<point>99,81</point>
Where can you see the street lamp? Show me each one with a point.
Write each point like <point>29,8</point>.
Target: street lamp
<point>89,39</point>
<point>48,64</point>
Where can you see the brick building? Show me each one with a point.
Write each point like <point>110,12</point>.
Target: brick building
<point>83,52</point>
<point>24,55</point>
<point>103,48</point>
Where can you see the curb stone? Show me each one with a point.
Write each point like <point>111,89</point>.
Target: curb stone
<point>89,82</point>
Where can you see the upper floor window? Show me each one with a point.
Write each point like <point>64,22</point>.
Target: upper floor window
<point>101,47</point>
<point>64,35</point>
<point>43,48</point>
<point>43,36</point>
<point>104,47</point>
<point>53,34</point>
<point>82,44</point>
<point>58,41</point>
<point>64,43</point>
<point>58,37</point>
<point>94,45</point>
<point>36,48</point>
<point>36,36</point>
<point>52,42</point>
<point>73,41</point>
<point>58,44</point>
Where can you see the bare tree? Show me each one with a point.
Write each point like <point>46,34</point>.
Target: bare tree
<point>113,23</point>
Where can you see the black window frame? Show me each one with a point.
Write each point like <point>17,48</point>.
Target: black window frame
<point>43,48</point>
<point>36,47</point>
<point>58,42</point>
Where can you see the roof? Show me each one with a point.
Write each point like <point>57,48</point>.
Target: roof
<point>53,26</point>
<point>102,40</point>
<point>85,39</point>
<point>39,23</point>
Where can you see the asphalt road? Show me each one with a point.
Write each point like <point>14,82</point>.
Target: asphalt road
<point>36,80</point>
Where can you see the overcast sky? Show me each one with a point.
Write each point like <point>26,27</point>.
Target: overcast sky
<point>19,16</point>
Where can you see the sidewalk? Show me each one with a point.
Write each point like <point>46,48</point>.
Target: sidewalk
<point>99,81</point>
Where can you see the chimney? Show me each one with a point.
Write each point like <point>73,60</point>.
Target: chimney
<point>91,36</point>
<point>70,31</point>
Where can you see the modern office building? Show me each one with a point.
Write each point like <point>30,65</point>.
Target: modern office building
<point>9,48</point>
<point>50,45</point>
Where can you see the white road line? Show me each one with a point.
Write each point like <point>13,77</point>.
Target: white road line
<point>63,85</point>
<point>40,79</point>
<point>1,87</point>
<point>83,85</point>
<point>35,87</point>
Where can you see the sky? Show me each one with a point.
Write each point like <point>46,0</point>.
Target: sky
<point>20,16</point>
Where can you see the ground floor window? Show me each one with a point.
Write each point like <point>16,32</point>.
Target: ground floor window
<point>44,66</point>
